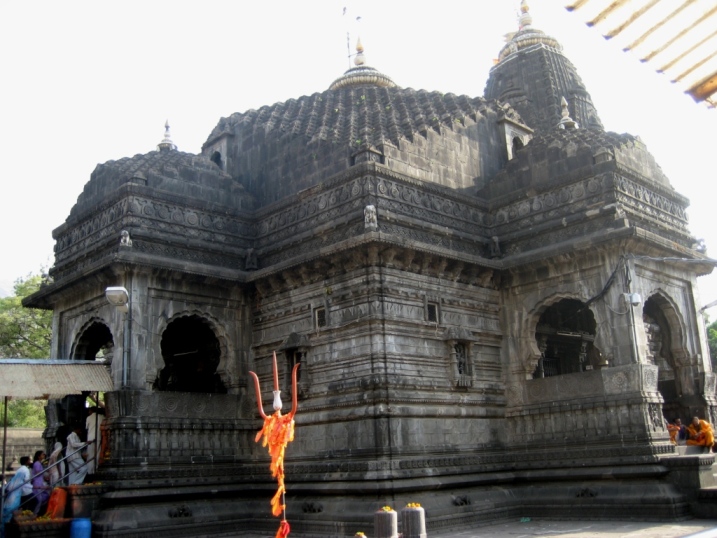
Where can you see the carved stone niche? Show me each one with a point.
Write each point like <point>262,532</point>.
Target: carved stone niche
<point>459,342</point>
<point>365,155</point>
<point>295,351</point>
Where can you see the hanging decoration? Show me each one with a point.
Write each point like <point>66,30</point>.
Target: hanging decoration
<point>277,433</point>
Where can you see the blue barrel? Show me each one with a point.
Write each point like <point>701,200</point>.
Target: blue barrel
<point>81,528</point>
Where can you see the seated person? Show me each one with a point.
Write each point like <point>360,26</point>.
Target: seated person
<point>678,432</point>
<point>700,433</point>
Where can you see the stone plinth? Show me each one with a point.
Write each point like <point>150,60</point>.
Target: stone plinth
<point>82,500</point>
<point>385,524</point>
<point>413,522</point>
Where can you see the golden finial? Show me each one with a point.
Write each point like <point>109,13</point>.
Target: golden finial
<point>360,59</point>
<point>525,19</point>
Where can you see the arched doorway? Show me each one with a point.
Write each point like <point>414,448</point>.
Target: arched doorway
<point>191,353</point>
<point>565,334</point>
<point>95,342</point>
<point>659,331</point>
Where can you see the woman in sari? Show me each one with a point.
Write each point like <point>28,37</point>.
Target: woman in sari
<point>56,472</point>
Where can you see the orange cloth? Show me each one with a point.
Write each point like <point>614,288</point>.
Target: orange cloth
<point>56,504</point>
<point>674,430</point>
<point>704,436</point>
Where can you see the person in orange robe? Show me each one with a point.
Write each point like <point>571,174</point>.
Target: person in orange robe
<point>678,432</point>
<point>700,433</point>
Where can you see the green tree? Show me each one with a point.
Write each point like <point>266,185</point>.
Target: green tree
<point>26,413</point>
<point>712,340</point>
<point>25,333</point>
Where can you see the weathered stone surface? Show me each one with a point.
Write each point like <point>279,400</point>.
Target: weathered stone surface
<point>509,327</point>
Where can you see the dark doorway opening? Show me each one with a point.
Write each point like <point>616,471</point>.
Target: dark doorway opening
<point>565,335</point>
<point>191,353</point>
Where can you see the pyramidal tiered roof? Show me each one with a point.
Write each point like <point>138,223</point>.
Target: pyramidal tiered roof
<point>534,76</point>
<point>355,116</point>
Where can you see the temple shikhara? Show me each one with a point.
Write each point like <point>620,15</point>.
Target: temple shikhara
<point>491,299</point>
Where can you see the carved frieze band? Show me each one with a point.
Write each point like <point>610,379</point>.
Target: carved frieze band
<point>171,218</point>
<point>548,206</point>
<point>400,198</point>
<point>646,203</point>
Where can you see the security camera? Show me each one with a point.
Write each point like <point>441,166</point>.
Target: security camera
<point>634,299</point>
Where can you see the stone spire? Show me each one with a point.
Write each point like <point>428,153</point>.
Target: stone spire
<point>533,75</point>
<point>362,74</point>
<point>166,144</point>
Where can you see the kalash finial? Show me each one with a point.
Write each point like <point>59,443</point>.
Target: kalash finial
<point>278,432</point>
<point>359,59</point>
<point>566,122</point>
<point>166,144</point>
<point>525,19</point>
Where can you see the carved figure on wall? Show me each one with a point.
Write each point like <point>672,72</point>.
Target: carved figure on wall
<point>125,240</point>
<point>250,262</point>
<point>370,218</point>
<point>461,358</point>
<point>495,247</point>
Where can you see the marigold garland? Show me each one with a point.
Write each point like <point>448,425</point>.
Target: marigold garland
<point>278,432</point>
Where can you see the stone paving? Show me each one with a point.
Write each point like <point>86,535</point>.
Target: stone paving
<point>586,529</point>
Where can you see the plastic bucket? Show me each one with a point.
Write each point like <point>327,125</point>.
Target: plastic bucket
<point>81,528</point>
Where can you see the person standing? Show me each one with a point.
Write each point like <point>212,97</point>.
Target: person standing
<point>26,489</point>
<point>17,490</point>
<point>56,470</point>
<point>40,489</point>
<point>93,424</point>
<point>75,460</point>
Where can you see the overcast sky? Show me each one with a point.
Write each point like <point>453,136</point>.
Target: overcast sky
<point>87,82</point>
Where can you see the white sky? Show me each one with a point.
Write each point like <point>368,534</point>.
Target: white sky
<point>85,82</point>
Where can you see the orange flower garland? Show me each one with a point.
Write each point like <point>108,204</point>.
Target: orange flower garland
<point>277,433</point>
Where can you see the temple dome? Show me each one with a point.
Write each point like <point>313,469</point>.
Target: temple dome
<point>362,74</point>
<point>284,148</point>
<point>169,171</point>
<point>527,36</point>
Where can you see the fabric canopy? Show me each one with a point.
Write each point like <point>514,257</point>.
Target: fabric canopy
<point>29,379</point>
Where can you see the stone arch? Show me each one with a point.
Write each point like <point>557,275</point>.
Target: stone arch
<point>194,350</point>
<point>562,332</point>
<point>664,331</point>
<point>216,158</point>
<point>93,341</point>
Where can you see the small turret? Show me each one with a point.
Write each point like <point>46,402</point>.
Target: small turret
<point>166,144</point>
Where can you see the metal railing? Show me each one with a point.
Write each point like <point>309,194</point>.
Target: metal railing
<point>60,482</point>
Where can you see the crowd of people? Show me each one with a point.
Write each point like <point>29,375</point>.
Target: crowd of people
<point>69,464</point>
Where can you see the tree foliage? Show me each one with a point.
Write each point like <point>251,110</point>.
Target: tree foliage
<point>26,413</point>
<point>25,333</point>
<point>712,340</point>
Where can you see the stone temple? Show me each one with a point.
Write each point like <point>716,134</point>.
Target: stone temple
<point>492,300</point>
